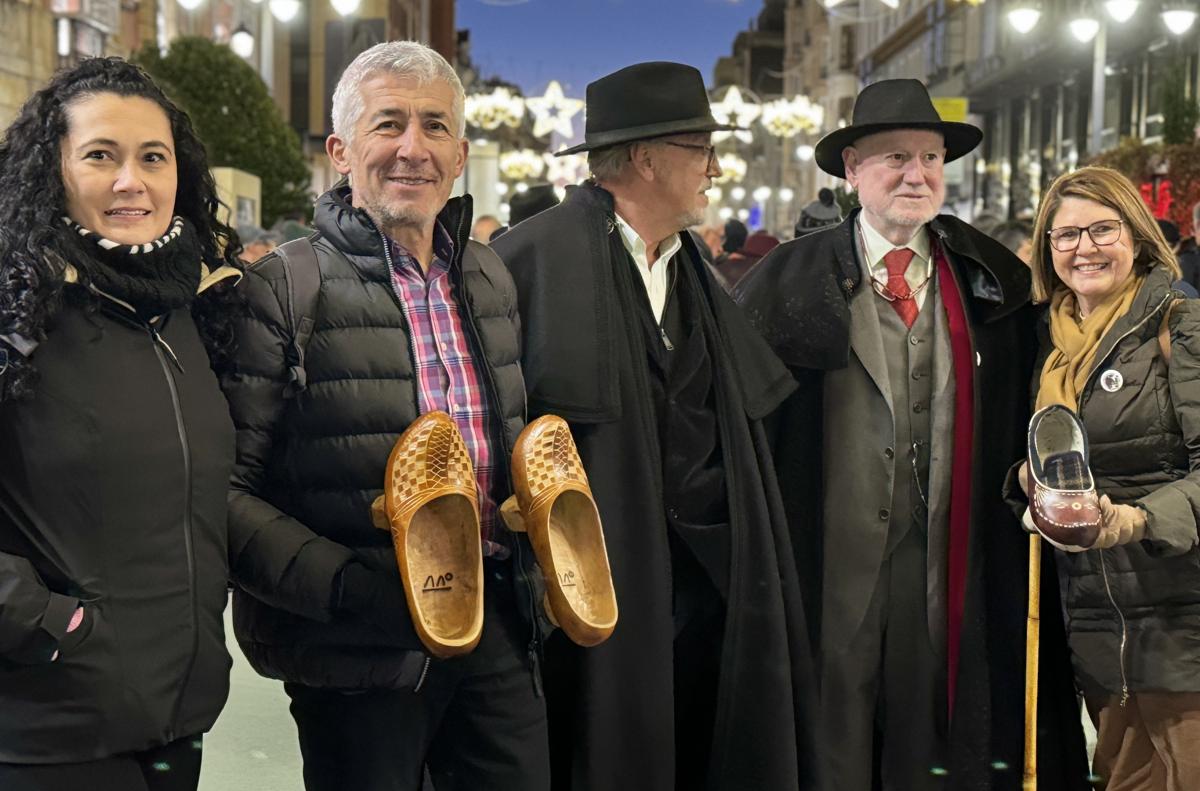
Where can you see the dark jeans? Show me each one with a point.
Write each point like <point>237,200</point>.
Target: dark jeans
<point>477,721</point>
<point>172,767</point>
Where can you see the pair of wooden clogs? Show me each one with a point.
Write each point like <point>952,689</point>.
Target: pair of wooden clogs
<point>431,507</point>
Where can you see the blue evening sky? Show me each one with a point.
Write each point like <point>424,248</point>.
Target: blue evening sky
<point>530,42</point>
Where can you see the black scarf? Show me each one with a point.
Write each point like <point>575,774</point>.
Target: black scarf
<point>154,278</point>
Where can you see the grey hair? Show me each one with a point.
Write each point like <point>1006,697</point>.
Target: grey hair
<point>607,164</point>
<point>1196,214</point>
<point>410,59</point>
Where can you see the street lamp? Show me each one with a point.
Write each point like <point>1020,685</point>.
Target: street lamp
<point>1024,17</point>
<point>1179,18</point>
<point>1084,28</point>
<point>1121,10</point>
<point>285,10</point>
<point>242,42</point>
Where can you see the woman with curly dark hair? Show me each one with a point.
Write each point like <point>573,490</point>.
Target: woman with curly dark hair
<point>115,442</point>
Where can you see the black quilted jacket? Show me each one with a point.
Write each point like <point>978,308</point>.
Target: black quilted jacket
<point>309,467</point>
<point>1133,611</point>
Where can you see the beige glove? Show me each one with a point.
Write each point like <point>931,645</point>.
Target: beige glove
<point>1119,524</point>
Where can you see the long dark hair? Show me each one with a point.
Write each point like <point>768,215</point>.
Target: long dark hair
<point>35,248</point>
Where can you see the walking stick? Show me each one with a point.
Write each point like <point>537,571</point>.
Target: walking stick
<point>1032,635</point>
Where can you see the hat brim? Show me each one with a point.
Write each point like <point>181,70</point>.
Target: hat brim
<point>617,136</point>
<point>961,139</point>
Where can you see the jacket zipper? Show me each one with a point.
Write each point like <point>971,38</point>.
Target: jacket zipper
<point>1103,565</point>
<point>159,345</point>
<point>533,650</point>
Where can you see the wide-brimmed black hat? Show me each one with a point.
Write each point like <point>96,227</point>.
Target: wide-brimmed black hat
<point>645,100</point>
<point>893,104</point>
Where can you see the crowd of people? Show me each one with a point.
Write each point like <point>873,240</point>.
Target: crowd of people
<point>808,456</point>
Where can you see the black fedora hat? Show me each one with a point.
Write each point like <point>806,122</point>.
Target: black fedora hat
<point>893,104</point>
<point>645,100</point>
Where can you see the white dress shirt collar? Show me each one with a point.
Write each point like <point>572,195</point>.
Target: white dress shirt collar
<point>655,278</point>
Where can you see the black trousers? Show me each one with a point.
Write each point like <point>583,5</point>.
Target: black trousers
<point>699,616</point>
<point>477,721</point>
<point>172,767</point>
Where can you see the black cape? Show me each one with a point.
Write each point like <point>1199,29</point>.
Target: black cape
<point>584,358</point>
<point>798,296</point>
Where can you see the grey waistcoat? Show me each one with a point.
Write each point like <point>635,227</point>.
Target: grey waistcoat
<point>909,355</point>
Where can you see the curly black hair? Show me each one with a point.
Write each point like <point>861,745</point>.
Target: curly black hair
<point>35,248</point>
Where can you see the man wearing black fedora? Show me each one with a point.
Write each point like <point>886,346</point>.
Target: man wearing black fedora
<point>912,338</point>
<point>705,682</point>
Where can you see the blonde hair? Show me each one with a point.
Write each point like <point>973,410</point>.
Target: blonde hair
<point>1108,188</point>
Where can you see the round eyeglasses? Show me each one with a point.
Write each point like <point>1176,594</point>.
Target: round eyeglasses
<point>1102,232</point>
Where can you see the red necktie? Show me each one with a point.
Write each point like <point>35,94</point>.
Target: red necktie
<point>897,262</point>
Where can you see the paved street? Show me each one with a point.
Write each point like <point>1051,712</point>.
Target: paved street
<point>253,746</point>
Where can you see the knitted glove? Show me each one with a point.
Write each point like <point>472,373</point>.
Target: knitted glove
<point>1119,524</point>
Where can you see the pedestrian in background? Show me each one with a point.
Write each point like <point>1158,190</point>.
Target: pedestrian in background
<point>821,213</point>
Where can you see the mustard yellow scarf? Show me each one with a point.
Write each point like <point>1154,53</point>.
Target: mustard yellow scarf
<point>1076,343</point>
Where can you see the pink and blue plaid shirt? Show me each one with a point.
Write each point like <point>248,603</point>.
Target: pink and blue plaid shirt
<point>448,377</point>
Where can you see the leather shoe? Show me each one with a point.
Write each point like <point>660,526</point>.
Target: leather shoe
<point>432,509</point>
<point>1064,505</point>
<point>563,524</point>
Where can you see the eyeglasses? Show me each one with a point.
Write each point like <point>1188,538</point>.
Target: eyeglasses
<point>1102,232</point>
<point>709,151</point>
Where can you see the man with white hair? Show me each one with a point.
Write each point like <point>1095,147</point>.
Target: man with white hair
<point>704,683</point>
<point>403,315</point>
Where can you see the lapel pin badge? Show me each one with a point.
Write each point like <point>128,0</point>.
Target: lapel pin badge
<point>1111,380</point>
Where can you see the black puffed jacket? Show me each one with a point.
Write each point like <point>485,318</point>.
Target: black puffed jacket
<point>114,477</point>
<point>1133,611</point>
<point>309,466</point>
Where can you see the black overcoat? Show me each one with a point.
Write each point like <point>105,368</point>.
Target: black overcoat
<point>799,297</point>
<point>584,358</point>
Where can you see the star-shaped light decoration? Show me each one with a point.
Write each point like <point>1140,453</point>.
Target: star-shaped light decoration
<point>569,169</point>
<point>553,111</point>
<point>735,110</point>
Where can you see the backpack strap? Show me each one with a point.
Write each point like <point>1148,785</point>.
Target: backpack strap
<point>302,277</point>
<point>1164,333</point>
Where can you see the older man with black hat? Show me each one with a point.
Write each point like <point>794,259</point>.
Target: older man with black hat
<point>664,383</point>
<point>912,337</point>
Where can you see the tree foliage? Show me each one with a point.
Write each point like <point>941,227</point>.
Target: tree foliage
<point>1180,111</point>
<point>236,119</point>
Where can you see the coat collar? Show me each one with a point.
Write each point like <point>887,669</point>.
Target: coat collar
<point>352,231</point>
<point>997,282</point>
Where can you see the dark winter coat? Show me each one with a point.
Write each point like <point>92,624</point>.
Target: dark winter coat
<point>113,483</point>
<point>798,296</point>
<point>612,719</point>
<point>309,467</point>
<point>1144,440</point>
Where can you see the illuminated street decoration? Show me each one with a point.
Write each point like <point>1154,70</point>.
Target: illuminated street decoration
<point>522,164</point>
<point>733,168</point>
<point>553,112</point>
<point>790,117</point>
<point>735,110</point>
<point>569,169</point>
<point>491,110</point>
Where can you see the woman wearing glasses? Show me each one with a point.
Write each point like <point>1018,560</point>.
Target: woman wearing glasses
<point>1122,349</point>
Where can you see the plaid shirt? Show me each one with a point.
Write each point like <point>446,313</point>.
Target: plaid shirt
<point>448,377</point>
